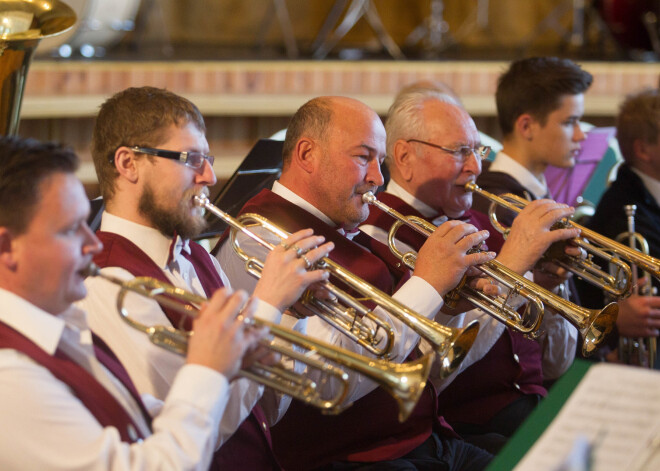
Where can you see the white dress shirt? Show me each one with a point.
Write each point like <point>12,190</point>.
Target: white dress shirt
<point>558,338</point>
<point>416,294</point>
<point>505,164</point>
<point>153,368</point>
<point>44,426</point>
<point>651,184</point>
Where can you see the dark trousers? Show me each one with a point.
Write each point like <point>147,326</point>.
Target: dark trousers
<point>493,435</point>
<point>444,454</point>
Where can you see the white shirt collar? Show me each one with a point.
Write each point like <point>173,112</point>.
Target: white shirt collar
<point>651,184</point>
<point>41,327</point>
<point>397,190</point>
<point>293,198</point>
<point>505,164</point>
<point>150,240</point>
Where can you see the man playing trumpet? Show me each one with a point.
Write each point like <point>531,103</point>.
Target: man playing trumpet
<point>433,150</point>
<point>332,154</point>
<point>150,154</point>
<point>65,400</point>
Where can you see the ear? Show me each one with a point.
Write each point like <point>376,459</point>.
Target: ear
<point>126,164</point>
<point>6,253</point>
<point>640,151</point>
<point>306,154</point>
<point>524,126</point>
<point>403,159</point>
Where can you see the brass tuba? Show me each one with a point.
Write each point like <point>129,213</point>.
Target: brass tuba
<point>23,24</point>
<point>405,382</point>
<point>450,344</point>
<point>593,325</point>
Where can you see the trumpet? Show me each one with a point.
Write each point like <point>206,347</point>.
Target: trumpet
<point>645,348</point>
<point>593,325</point>
<point>404,382</point>
<point>616,284</point>
<point>450,344</point>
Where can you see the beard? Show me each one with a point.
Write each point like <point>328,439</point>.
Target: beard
<point>184,219</point>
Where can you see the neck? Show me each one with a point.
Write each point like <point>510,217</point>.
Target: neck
<point>126,210</point>
<point>520,153</point>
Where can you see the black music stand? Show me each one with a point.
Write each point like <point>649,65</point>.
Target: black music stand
<point>260,168</point>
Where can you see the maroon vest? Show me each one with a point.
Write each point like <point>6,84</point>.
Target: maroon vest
<point>496,380</point>
<point>369,430</point>
<point>100,403</point>
<point>250,447</point>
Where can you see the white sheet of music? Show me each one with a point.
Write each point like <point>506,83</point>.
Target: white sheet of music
<point>610,422</point>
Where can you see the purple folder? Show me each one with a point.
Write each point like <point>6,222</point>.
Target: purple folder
<point>567,184</point>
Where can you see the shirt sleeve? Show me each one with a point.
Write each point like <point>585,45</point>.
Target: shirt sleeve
<point>46,427</point>
<point>558,340</point>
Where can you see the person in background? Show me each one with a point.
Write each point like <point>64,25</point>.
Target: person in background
<point>637,183</point>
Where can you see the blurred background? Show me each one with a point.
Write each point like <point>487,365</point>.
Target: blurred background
<point>249,64</point>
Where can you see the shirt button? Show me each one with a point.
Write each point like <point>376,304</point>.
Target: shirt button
<point>517,386</point>
<point>263,424</point>
<point>516,358</point>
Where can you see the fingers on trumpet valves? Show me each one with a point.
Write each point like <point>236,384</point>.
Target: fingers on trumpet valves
<point>308,264</point>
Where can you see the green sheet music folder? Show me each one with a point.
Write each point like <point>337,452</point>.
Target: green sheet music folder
<point>539,420</point>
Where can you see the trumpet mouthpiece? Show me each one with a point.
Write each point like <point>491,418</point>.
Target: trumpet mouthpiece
<point>91,270</point>
<point>200,200</point>
<point>368,197</point>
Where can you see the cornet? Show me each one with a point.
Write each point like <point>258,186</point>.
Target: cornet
<point>593,325</point>
<point>405,382</point>
<point>641,351</point>
<point>450,344</point>
<point>617,284</point>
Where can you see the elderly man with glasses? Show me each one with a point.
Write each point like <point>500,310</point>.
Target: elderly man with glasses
<point>433,150</point>
<point>150,152</point>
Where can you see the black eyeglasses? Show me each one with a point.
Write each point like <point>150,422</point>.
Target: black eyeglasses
<point>462,153</point>
<point>191,159</point>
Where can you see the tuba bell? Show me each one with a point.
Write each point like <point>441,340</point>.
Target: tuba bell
<point>22,25</point>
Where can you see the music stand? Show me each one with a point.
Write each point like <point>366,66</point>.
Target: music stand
<point>260,168</point>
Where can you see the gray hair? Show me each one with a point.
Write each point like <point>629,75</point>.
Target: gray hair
<point>404,119</point>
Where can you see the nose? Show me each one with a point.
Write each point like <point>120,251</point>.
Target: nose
<point>579,135</point>
<point>374,175</point>
<point>92,244</point>
<point>206,175</point>
<point>472,164</point>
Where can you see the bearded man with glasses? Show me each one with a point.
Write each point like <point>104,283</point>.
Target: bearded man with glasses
<point>433,150</point>
<point>150,153</point>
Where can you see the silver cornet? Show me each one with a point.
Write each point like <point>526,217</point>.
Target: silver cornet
<point>593,325</point>
<point>640,351</point>
<point>404,382</point>
<point>450,344</point>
